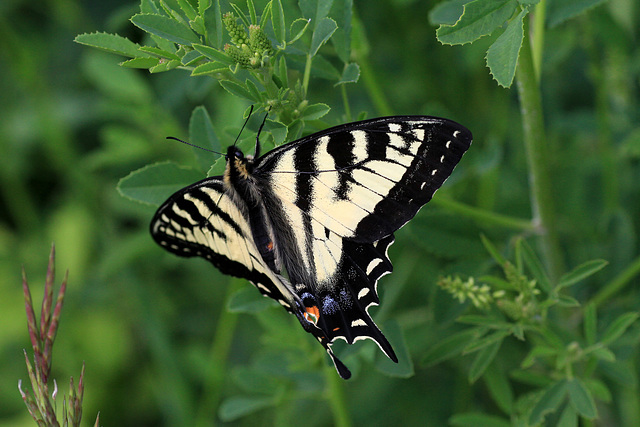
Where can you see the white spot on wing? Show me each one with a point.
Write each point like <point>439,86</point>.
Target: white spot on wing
<point>358,322</point>
<point>363,292</point>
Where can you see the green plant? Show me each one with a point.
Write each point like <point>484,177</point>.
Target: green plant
<point>559,363</point>
<point>40,402</point>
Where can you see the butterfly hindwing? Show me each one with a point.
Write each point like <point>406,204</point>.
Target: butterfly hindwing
<point>322,210</point>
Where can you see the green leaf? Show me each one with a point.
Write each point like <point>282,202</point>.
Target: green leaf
<point>247,300</point>
<point>483,359</point>
<point>350,74</point>
<point>535,266</point>
<point>322,32</point>
<point>213,54</point>
<point>277,19</point>
<point>618,327</point>
<point>480,17</point>
<point>341,40</point>
<point>315,111</point>
<point>487,340</point>
<point>165,28</point>
<point>560,10</point>
<point>153,184</point>
<point>568,418</point>
<point>161,53</point>
<point>164,65</point>
<point>451,346</point>
<point>581,399</point>
<point>236,89</point>
<point>477,419</point>
<point>298,27</point>
<point>499,387</point>
<point>404,367</point>
<point>447,12</point>
<point>148,62</point>
<point>549,401</point>
<point>202,134</point>
<point>212,67</point>
<point>191,57</point>
<point>581,272</point>
<point>188,10</point>
<point>237,407</point>
<point>502,56</point>
<point>111,43</point>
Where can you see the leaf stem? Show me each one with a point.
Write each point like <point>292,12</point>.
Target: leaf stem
<point>535,141</point>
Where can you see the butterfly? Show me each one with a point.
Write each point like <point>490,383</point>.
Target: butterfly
<point>310,222</point>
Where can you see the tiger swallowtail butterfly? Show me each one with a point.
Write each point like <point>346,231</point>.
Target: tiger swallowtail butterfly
<point>310,222</point>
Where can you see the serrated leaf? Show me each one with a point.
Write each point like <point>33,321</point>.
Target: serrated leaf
<point>153,184</point>
<point>315,111</point>
<point>237,407</point>
<point>502,56</point>
<point>164,65</point>
<point>190,57</point>
<point>165,28</point>
<point>322,32</point>
<point>147,62</point>
<point>549,401</point>
<point>236,89</point>
<point>483,359</point>
<point>618,327</point>
<point>350,74</point>
<point>581,272</point>
<point>112,43</point>
<point>581,399</point>
<point>212,67</point>
<point>298,27</point>
<point>561,10</point>
<point>447,12</point>
<point>480,18</point>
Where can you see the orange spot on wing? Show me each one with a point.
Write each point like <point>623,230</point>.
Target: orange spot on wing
<point>312,314</point>
<point>335,329</point>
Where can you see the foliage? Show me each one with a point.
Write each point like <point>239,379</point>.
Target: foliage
<point>547,331</point>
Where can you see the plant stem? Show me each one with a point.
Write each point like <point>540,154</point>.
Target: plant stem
<point>535,142</point>
<point>538,34</point>
<point>483,215</point>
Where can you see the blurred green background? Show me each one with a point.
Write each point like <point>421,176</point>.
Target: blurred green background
<point>72,123</point>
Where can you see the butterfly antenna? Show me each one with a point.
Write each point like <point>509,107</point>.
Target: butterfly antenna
<point>194,145</point>
<point>243,126</point>
<point>258,136</point>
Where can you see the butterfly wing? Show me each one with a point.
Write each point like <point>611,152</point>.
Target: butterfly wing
<point>202,220</point>
<point>343,192</point>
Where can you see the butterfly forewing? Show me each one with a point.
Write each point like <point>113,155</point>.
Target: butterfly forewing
<point>323,209</point>
<point>202,220</point>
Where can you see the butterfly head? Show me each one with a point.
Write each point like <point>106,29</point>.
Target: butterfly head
<point>239,166</point>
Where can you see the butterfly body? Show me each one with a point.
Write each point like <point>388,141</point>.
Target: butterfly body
<point>310,222</point>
